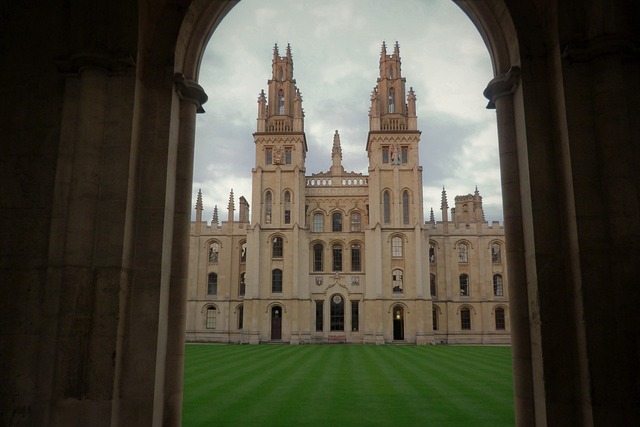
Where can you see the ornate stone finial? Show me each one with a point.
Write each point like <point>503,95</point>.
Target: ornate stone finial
<point>383,53</point>
<point>231,205</point>
<point>432,217</point>
<point>276,54</point>
<point>477,193</point>
<point>336,151</point>
<point>199,200</point>
<point>444,205</point>
<point>288,51</point>
<point>215,221</point>
<point>396,49</point>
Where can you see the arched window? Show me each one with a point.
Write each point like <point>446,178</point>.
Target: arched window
<point>356,221</point>
<point>355,258</point>
<point>464,285</point>
<point>392,102</point>
<point>386,207</point>
<point>243,286</point>
<point>465,319</point>
<point>336,221</point>
<point>280,102</point>
<point>396,247</point>
<point>276,280</point>
<point>434,319</point>
<point>214,252</point>
<point>210,320</point>
<point>495,253</point>
<point>398,286</point>
<point>318,222</point>
<point>337,313</point>
<point>287,207</point>
<point>240,317</point>
<point>243,252</point>
<point>277,247</point>
<point>463,252</point>
<point>432,254</point>
<point>432,285</point>
<point>268,199</point>
<point>390,72</point>
<point>337,257</point>
<point>280,74</point>
<point>212,284</point>
<point>405,207</point>
<point>500,319</point>
<point>497,285</point>
<point>318,251</point>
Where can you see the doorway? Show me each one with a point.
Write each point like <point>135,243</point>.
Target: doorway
<point>398,324</point>
<point>276,323</point>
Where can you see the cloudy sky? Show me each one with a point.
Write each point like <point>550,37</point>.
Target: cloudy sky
<point>336,51</point>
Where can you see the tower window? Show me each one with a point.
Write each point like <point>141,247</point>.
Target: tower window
<point>318,251</point>
<point>463,253</point>
<point>405,207</point>
<point>212,284</point>
<point>276,280</point>
<point>392,102</point>
<point>280,74</point>
<point>280,102</point>
<point>210,321</point>
<point>385,154</point>
<point>500,319</point>
<point>396,247</point>
<point>495,253</point>
<point>267,207</point>
<point>464,285</point>
<point>337,257</point>
<point>390,72</point>
<point>356,221</point>
<point>318,222</point>
<point>355,258</point>
<point>287,207</point>
<point>404,154</point>
<point>268,156</point>
<point>287,155</point>
<point>396,276</point>
<point>498,289</point>
<point>336,221</point>
<point>386,207</point>
<point>277,247</point>
<point>465,319</point>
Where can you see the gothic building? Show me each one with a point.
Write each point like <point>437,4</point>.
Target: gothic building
<point>340,256</point>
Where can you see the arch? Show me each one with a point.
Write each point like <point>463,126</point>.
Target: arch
<point>500,318</point>
<point>397,281</point>
<point>277,246</point>
<point>213,251</point>
<point>336,220</point>
<point>355,220</point>
<point>268,206</point>
<point>287,206</point>
<point>397,245</point>
<point>498,285</point>
<point>495,249</point>
<point>318,221</point>
<point>462,248</point>
<point>276,281</point>
<point>317,256</point>
<point>406,202</point>
<point>398,319</point>
<point>336,312</point>
<point>386,206</point>
<point>357,255</point>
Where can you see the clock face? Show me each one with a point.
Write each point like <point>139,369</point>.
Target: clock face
<point>337,299</point>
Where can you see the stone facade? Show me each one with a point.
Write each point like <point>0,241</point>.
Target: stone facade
<point>340,256</point>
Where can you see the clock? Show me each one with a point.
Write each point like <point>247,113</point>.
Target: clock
<point>337,299</point>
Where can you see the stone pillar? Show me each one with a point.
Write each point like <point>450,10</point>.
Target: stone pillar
<point>500,93</point>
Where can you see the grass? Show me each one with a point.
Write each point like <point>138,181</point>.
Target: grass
<point>344,385</point>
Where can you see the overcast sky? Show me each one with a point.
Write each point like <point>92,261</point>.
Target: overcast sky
<point>336,47</point>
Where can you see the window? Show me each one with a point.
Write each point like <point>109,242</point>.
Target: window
<point>432,254</point>
<point>210,321</point>
<point>318,250</point>
<point>267,207</point>
<point>464,285</point>
<point>337,257</point>
<point>392,102</point>
<point>390,72</point>
<point>355,258</point>
<point>434,314</point>
<point>355,316</point>
<point>318,222</point>
<point>280,102</point>
<point>385,154</point>
<point>356,221</point>
<point>319,315</point>
<point>497,285</point>
<point>287,155</point>
<point>268,156</point>
<point>276,280</point>
<point>240,317</point>
<point>243,252</point>
<point>336,221</point>
<point>386,203</point>
<point>405,207</point>
<point>280,74</point>
<point>337,313</point>
<point>277,247</point>
<point>243,285</point>
<point>287,207</point>
<point>212,284</point>
<point>465,319</point>
<point>500,319</point>
<point>404,154</point>
<point>432,285</point>
<point>396,247</point>
<point>495,253</point>
<point>214,252</point>
<point>396,276</point>
<point>463,252</point>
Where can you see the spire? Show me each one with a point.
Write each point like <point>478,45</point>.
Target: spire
<point>444,206</point>
<point>432,218</point>
<point>231,207</point>
<point>276,55</point>
<point>396,49</point>
<point>199,206</point>
<point>336,156</point>
<point>288,51</point>
<point>383,53</point>
<point>215,221</point>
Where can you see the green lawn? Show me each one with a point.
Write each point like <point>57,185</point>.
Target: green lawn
<point>344,385</point>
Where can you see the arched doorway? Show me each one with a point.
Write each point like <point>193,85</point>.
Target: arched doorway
<point>276,323</point>
<point>398,323</point>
